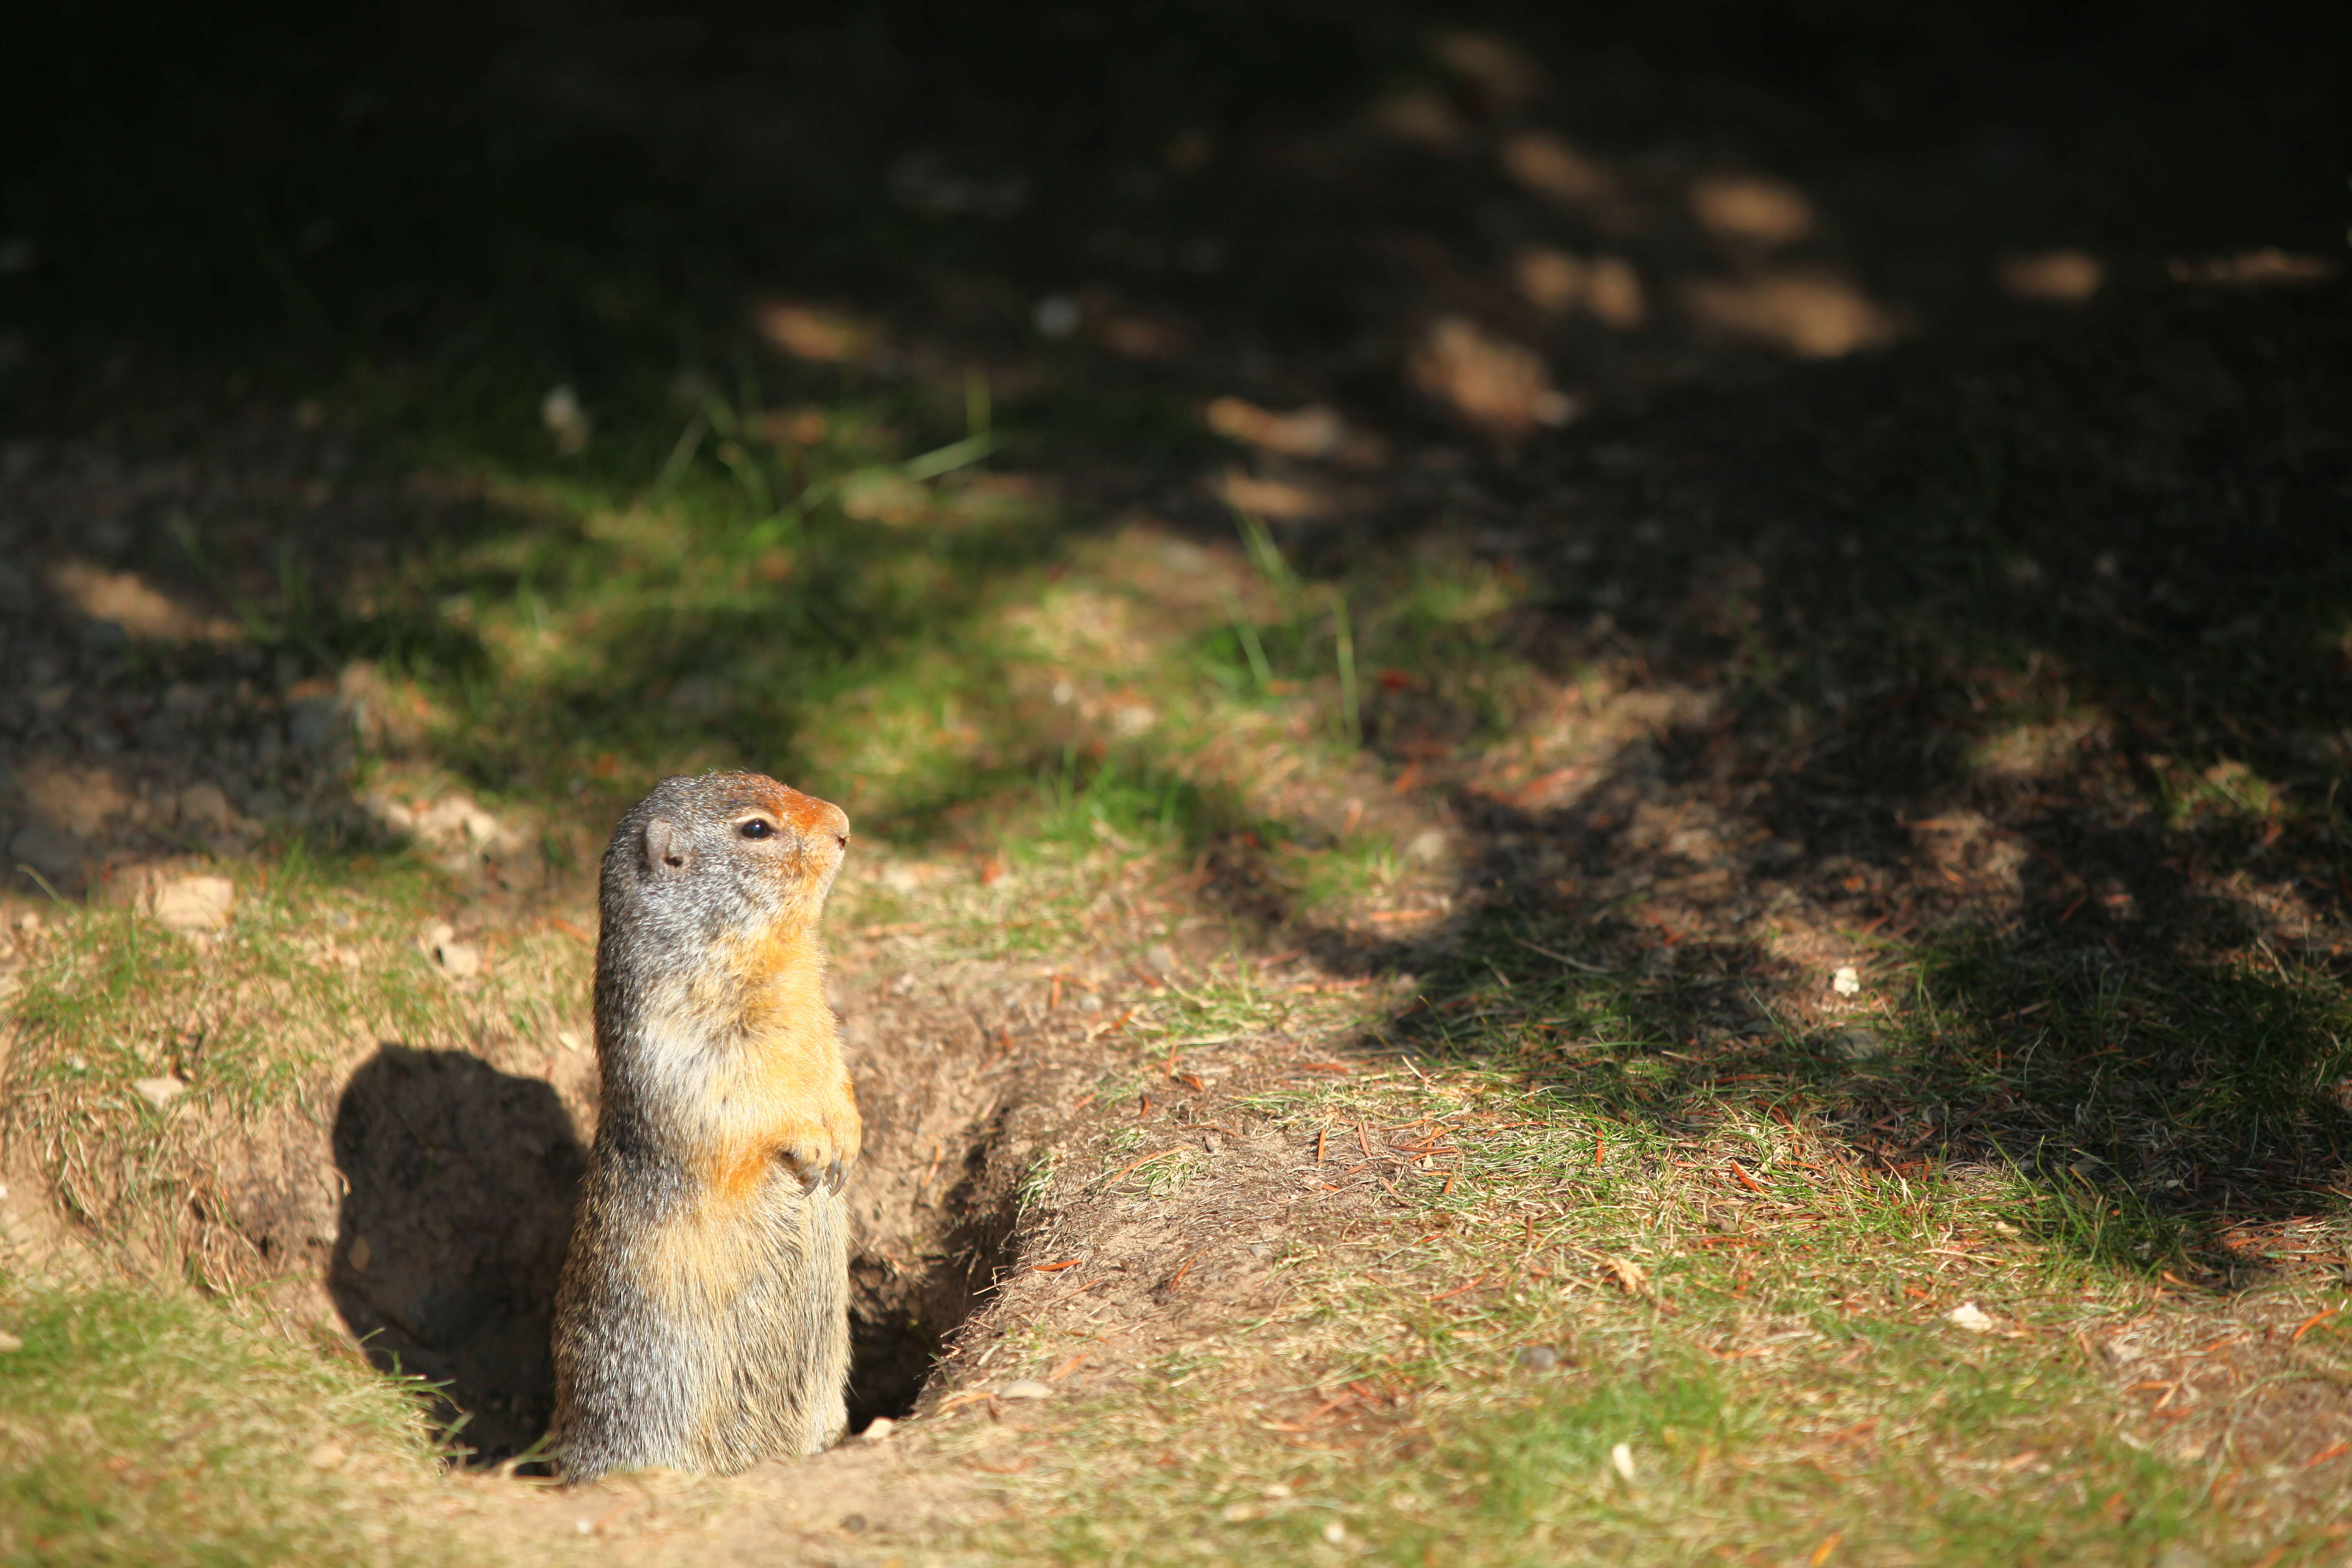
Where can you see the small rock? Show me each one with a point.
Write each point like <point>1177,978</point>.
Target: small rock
<point>193,904</point>
<point>855,1523</point>
<point>480,827</point>
<point>1336,1533</point>
<point>568,1039</point>
<point>878,1430</point>
<point>1160,959</point>
<point>205,806</point>
<point>1846,981</point>
<point>1620,1459</point>
<point>458,960</point>
<point>1537,1358</point>
<point>1025,1388</point>
<point>560,412</point>
<point>1429,845</point>
<point>1969,1315</point>
<point>327,1456</point>
<point>9,1342</point>
<point>1276,1492</point>
<point>1858,1043</point>
<point>159,1092</point>
<point>359,1254</point>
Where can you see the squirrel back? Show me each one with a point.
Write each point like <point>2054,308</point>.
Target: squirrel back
<point>702,1319</point>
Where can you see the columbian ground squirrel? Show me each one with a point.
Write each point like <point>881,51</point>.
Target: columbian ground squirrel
<point>702,1322</point>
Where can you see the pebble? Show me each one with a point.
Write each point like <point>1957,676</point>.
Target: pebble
<point>1160,959</point>
<point>192,905</point>
<point>458,960</point>
<point>1969,1315</point>
<point>1537,1358</point>
<point>1858,1043</point>
<point>207,806</point>
<point>878,1430</point>
<point>1336,1533</point>
<point>1025,1388</point>
<point>159,1092</point>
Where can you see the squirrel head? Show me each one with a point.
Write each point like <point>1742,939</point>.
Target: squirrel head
<point>720,854</point>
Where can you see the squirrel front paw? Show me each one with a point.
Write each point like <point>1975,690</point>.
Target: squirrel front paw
<point>822,1153</point>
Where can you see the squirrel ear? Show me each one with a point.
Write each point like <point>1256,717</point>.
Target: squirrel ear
<point>665,845</point>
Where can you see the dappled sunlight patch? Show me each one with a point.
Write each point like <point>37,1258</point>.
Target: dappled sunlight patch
<point>2050,277</point>
<point>2227,790</point>
<point>817,333</point>
<point>1811,314</point>
<point>1422,119</point>
<point>129,602</point>
<point>1607,287</point>
<point>2030,750</point>
<point>1316,431</point>
<point>1756,209</point>
<point>1283,500</point>
<point>2267,268</point>
<point>1499,387</point>
<point>1554,168</point>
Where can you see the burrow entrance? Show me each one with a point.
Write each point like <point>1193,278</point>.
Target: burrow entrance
<point>458,1183</point>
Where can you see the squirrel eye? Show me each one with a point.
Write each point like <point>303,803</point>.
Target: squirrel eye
<point>756,828</point>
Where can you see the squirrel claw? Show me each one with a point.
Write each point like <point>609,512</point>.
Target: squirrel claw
<point>832,1176</point>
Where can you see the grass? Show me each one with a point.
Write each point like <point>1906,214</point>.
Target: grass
<point>1781,1366</point>
<point>160,1428</point>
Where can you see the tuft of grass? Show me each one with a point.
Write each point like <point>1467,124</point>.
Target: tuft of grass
<point>155,1429</point>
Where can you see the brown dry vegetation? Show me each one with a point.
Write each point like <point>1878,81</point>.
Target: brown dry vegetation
<point>1596,759</point>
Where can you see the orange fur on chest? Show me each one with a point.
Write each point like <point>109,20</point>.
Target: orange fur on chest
<point>763,997</point>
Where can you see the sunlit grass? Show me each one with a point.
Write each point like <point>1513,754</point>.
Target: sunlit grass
<point>137,1427</point>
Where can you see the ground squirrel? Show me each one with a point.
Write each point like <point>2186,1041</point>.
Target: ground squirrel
<point>702,1320</point>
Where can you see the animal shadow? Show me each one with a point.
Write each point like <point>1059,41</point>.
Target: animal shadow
<point>460,1182</point>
